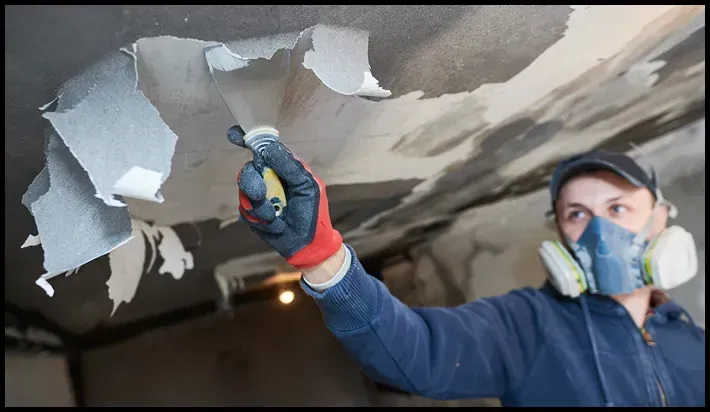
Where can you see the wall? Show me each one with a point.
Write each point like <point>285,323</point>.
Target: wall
<point>265,354</point>
<point>37,380</point>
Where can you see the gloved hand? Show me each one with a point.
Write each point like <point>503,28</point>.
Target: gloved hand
<point>303,233</point>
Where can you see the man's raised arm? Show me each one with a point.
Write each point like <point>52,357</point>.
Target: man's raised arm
<point>481,349</point>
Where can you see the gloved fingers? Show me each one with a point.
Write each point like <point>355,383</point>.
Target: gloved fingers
<point>251,183</point>
<point>288,168</point>
<point>262,210</point>
<point>235,134</point>
<point>276,227</point>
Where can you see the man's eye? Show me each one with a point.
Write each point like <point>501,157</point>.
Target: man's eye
<point>576,215</point>
<point>618,208</point>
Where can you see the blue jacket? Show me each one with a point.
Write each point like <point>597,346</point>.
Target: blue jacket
<point>528,347</point>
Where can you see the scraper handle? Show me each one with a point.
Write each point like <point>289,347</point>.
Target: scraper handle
<point>257,140</point>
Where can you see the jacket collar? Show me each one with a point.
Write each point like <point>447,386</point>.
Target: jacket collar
<point>663,306</point>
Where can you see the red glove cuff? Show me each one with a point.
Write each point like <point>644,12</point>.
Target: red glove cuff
<point>326,240</point>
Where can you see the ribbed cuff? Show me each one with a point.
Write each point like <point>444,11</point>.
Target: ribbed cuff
<point>352,303</point>
<point>320,287</point>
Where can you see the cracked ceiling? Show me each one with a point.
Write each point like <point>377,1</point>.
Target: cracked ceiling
<point>484,100</point>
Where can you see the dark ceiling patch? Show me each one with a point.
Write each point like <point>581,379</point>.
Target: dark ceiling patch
<point>601,115</point>
<point>480,45</point>
<point>365,201</point>
<point>653,127</point>
<point>500,136</point>
<point>541,133</point>
<point>398,32</point>
<point>357,211</point>
<point>449,144</point>
<point>377,190</point>
<point>687,53</point>
<point>477,177</point>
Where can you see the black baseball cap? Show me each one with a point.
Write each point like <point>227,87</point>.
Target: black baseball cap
<point>599,159</point>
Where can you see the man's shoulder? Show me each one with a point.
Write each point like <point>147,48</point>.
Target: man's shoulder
<point>529,302</point>
<point>543,297</point>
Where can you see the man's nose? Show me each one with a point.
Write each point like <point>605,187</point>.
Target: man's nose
<point>600,211</point>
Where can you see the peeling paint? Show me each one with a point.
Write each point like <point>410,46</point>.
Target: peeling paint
<point>126,265</point>
<point>174,76</point>
<point>176,260</point>
<point>406,137</point>
<point>128,262</point>
<point>74,225</point>
<point>114,133</point>
<point>339,59</point>
<point>105,120</point>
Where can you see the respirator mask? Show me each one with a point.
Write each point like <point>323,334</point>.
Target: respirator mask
<point>610,260</point>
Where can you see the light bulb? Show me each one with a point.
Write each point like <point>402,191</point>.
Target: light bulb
<point>286,297</point>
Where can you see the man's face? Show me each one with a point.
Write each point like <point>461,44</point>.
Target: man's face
<point>605,194</point>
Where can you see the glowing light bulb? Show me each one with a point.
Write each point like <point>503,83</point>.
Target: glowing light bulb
<point>286,297</point>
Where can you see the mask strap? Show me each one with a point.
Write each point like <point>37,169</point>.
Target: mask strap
<point>641,236</point>
<point>672,210</point>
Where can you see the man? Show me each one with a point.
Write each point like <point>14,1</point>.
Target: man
<point>600,332</point>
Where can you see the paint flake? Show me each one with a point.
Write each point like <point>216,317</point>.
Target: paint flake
<point>75,227</point>
<point>44,284</point>
<point>32,240</point>
<point>126,264</point>
<point>106,140</point>
<point>175,258</point>
<point>339,59</point>
<point>140,183</point>
<point>128,261</point>
<point>112,129</point>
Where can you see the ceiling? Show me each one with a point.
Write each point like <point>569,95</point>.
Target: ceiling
<point>484,100</point>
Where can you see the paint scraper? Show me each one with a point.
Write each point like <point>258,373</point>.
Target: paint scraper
<point>253,90</point>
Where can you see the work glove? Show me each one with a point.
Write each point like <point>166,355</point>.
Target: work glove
<point>303,233</point>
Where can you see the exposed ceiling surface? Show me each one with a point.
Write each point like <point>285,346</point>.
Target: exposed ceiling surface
<point>484,100</point>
